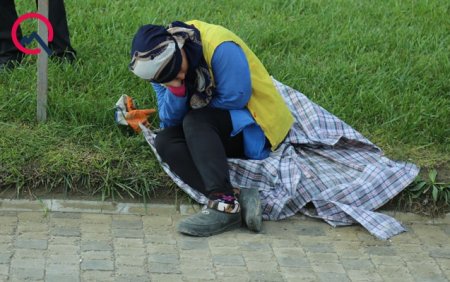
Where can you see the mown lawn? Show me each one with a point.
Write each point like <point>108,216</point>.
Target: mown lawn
<point>381,66</point>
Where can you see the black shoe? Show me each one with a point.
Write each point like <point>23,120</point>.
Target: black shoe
<point>9,62</point>
<point>69,56</point>
<point>250,202</point>
<point>209,222</point>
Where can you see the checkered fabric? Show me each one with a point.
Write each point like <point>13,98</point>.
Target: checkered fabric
<point>323,161</point>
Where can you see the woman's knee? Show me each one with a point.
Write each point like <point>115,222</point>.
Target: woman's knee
<point>206,118</point>
<point>165,142</point>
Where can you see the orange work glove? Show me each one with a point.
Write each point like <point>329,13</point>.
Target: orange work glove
<point>127,114</point>
<point>135,117</point>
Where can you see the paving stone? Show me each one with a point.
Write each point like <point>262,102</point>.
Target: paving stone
<point>62,269</point>
<point>125,270</point>
<point>156,221</point>
<point>33,236</point>
<point>96,275</point>
<point>223,271</point>
<point>294,251</point>
<point>85,236</point>
<point>322,257</point>
<point>6,239</point>
<point>128,243</point>
<point>27,253</point>
<point>234,250</point>
<point>163,268</point>
<point>284,243</point>
<point>132,278</point>
<point>393,273</point>
<point>332,277</point>
<point>7,214</point>
<point>328,267</point>
<point>363,275</point>
<point>381,251</point>
<point>63,249</point>
<point>97,255</point>
<point>4,270</point>
<point>62,240</point>
<point>431,234</point>
<point>167,277</point>
<point>8,230</point>
<point>196,275</point>
<point>298,274</point>
<point>190,244</point>
<point>160,239</point>
<point>446,229</point>
<point>127,224</point>
<point>64,259</point>
<point>258,256</point>
<point>22,263</point>
<point>171,259</point>
<point>387,260</point>
<point>318,247</point>
<point>64,222</point>
<point>128,233</point>
<point>254,266</point>
<point>255,246</point>
<point>66,232</point>
<point>289,261</point>
<point>357,264</point>
<point>31,216</point>
<point>95,246</point>
<point>95,228</point>
<point>31,244</point>
<point>97,265</point>
<point>228,260</point>
<point>21,274</point>
<point>426,271</point>
<point>132,260</point>
<point>62,277</point>
<point>261,276</point>
<point>5,257</point>
<point>310,230</point>
<point>440,253</point>
<point>162,249</point>
<point>65,215</point>
<point>32,227</point>
<point>129,251</point>
<point>444,263</point>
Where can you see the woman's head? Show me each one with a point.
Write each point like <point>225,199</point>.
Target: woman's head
<point>157,56</point>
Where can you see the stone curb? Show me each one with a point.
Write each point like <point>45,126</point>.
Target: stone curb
<point>85,206</point>
<point>76,206</point>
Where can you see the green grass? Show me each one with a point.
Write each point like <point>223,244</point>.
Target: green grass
<point>381,66</point>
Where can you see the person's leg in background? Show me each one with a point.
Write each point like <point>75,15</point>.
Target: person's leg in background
<point>200,159</point>
<point>9,54</point>
<point>61,41</point>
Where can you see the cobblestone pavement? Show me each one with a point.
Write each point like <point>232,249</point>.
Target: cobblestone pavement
<point>91,246</point>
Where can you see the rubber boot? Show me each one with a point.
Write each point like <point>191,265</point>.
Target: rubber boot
<point>250,202</point>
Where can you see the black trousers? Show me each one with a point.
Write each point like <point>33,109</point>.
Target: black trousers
<point>57,17</point>
<point>197,151</point>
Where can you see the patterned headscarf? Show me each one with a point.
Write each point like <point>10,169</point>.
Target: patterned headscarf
<point>156,56</point>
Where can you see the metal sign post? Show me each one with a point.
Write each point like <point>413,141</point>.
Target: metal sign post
<point>42,65</point>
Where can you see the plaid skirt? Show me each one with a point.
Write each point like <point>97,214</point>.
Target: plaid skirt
<point>322,161</point>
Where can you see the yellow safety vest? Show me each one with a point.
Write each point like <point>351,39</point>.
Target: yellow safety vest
<point>266,105</point>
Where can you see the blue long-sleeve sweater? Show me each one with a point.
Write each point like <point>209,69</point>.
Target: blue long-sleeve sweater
<point>232,92</point>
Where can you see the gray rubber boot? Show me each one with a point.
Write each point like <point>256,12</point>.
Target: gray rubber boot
<point>209,222</point>
<point>251,208</point>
